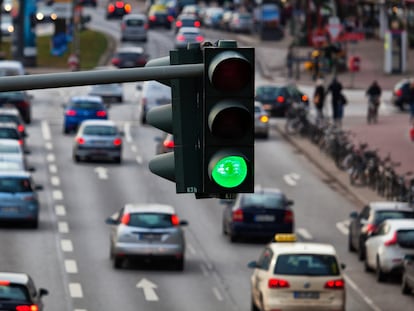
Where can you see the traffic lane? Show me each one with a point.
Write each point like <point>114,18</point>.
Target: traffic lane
<point>319,198</point>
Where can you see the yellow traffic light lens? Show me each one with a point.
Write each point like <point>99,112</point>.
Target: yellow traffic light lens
<point>230,171</point>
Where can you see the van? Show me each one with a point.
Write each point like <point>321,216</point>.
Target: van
<point>134,27</point>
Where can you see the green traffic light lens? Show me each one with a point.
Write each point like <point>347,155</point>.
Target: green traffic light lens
<point>230,171</point>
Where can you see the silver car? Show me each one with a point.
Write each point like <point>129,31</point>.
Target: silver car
<point>98,139</point>
<point>147,231</point>
<point>108,92</point>
<point>153,94</point>
<point>188,35</point>
<point>134,27</point>
<point>261,121</point>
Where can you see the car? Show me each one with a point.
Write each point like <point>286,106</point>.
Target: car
<point>186,21</point>
<point>153,94</point>
<point>188,35</point>
<point>21,100</point>
<point>18,292</point>
<point>7,6</point>
<point>9,130</point>
<point>109,92</point>
<point>80,108</point>
<point>92,3</point>
<point>241,22</point>
<point>45,13</point>
<point>261,214</point>
<point>165,144</point>
<point>12,156</point>
<point>147,231</point>
<point>158,15</point>
<point>363,223</point>
<point>13,115</point>
<point>134,27</point>
<point>276,100</point>
<point>117,9</point>
<point>212,17</point>
<point>19,201</point>
<point>407,280</point>
<point>387,246</point>
<point>7,27</point>
<point>292,275</point>
<point>401,94</point>
<point>129,57</point>
<point>261,121</point>
<point>11,68</point>
<point>97,139</point>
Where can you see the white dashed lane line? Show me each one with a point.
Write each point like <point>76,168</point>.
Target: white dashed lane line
<point>71,266</point>
<point>66,245</point>
<point>75,290</point>
<point>63,227</point>
<point>57,195</point>
<point>60,210</point>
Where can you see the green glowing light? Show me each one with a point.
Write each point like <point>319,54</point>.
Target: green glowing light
<point>230,171</point>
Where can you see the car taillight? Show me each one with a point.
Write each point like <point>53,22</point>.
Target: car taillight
<point>117,142</point>
<point>369,228</point>
<point>71,113</point>
<point>398,92</point>
<point>22,103</point>
<point>146,26</point>
<point>304,98</point>
<point>80,140</point>
<point>125,219</point>
<point>181,38</point>
<point>280,99</point>
<point>4,282</point>
<point>20,128</point>
<point>391,241</point>
<point>278,283</point>
<point>27,308</point>
<point>264,119</point>
<point>152,18</point>
<point>101,113</point>
<point>111,8</point>
<point>335,284</point>
<point>168,144</point>
<point>175,220</point>
<point>119,4</point>
<point>199,38</point>
<point>237,215</point>
<point>115,61</point>
<point>127,8</point>
<point>178,23</point>
<point>288,217</point>
<point>197,24</point>
<point>170,18</point>
<point>29,198</point>
<point>142,61</point>
<point>20,142</point>
<point>123,26</point>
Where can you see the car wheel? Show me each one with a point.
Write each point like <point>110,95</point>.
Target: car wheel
<point>120,99</point>
<point>76,158</point>
<point>351,248</point>
<point>253,306</point>
<point>143,119</point>
<point>179,265</point>
<point>380,275</point>
<point>118,262</point>
<point>118,160</point>
<point>232,237</point>
<point>361,251</point>
<point>405,289</point>
<point>65,130</point>
<point>34,224</point>
<point>367,268</point>
<point>223,229</point>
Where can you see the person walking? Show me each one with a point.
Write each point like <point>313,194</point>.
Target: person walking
<point>374,94</point>
<point>338,101</point>
<point>319,99</point>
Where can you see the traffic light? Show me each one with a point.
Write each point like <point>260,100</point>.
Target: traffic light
<point>228,120</point>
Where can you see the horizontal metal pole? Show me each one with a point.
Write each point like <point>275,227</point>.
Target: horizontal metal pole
<point>90,77</point>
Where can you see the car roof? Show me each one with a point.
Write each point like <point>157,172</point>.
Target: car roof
<point>11,63</point>
<point>13,111</point>
<point>134,16</point>
<point>98,122</point>
<point>87,97</point>
<point>149,207</point>
<point>387,205</point>
<point>13,277</point>
<point>302,248</point>
<point>258,189</point>
<point>189,29</point>
<point>400,222</point>
<point>129,49</point>
<point>22,173</point>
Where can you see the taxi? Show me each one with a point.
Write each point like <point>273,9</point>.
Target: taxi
<point>291,275</point>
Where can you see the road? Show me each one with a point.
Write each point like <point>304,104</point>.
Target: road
<point>69,253</point>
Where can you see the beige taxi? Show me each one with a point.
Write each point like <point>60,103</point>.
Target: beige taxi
<point>291,275</point>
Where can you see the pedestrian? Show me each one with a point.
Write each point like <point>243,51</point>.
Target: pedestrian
<point>319,99</point>
<point>374,94</point>
<point>338,101</point>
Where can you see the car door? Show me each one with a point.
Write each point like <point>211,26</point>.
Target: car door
<point>261,274</point>
<point>373,242</point>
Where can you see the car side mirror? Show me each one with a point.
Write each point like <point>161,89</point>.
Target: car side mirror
<point>31,169</point>
<point>38,187</point>
<point>290,202</point>
<point>252,265</point>
<point>121,133</point>
<point>43,292</point>
<point>183,223</point>
<point>111,221</point>
<point>353,214</point>
<point>343,266</point>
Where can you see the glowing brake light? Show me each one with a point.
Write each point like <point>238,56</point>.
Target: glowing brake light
<point>20,128</point>
<point>119,4</point>
<point>125,219</point>
<point>168,144</point>
<point>71,113</point>
<point>4,282</point>
<point>117,142</point>
<point>197,24</point>
<point>304,98</point>
<point>199,38</point>
<point>127,8</point>
<point>391,241</point>
<point>111,8</point>
<point>237,215</point>
<point>178,23</point>
<point>27,308</point>
<point>264,119</point>
<point>180,38</point>
<point>152,18</point>
<point>398,92</point>
<point>101,113</point>
<point>278,283</point>
<point>175,220</point>
<point>280,99</point>
<point>80,140</point>
<point>335,284</point>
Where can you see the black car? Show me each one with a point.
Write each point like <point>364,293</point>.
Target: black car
<point>364,223</point>
<point>401,94</point>
<point>186,21</point>
<point>276,100</point>
<point>129,57</point>
<point>261,214</point>
<point>407,284</point>
<point>20,100</point>
<point>117,9</point>
<point>18,292</point>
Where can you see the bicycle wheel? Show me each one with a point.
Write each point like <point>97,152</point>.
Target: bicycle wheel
<point>292,126</point>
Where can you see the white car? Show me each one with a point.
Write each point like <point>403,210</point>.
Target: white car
<point>153,94</point>
<point>12,156</point>
<point>292,275</point>
<point>387,246</point>
<point>11,68</point>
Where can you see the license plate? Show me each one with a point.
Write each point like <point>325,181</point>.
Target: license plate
<point>306,295</point>
<point>265,218</point>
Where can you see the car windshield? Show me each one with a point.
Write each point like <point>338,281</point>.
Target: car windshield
<point>12,184</point>
<point>307,264</point>
<point>17,95</point>
<point>268,92</point>
<point>406,238</point>
<point>9,133</point>
<point>383,215</point>
<point>266,200</point>
<point>99,130</point>
<point>134,22</point>
<point>86,105</point>
<point>13,292</point>
<point>150,220</point>
<point>8,118</point>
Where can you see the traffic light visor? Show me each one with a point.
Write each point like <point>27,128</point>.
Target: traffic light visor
<point>228,170</point>
<point>230,71</point>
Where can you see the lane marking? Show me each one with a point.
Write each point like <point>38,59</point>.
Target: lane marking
<point>66,245</point>
<point>63,227</point>
<point>139,160</point>
<point>204,270</point>
<point>304,233</point>
<point>361,293</point>
<point>343,227</point>
<point>49,145</point>
<point>45,130</point>
<point>291,179</point>
<point>71,266</point>
<point>55,181</point>
<point>75,290</point>
<point>149,289</point>
<point>57,195</point>
<point>50,157</point>
<point>134,148</point>
<point>217,294</point>
<point>127,130</point>
<point>53,168</point>
<point>191,249</point>
<point>60,210</point>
